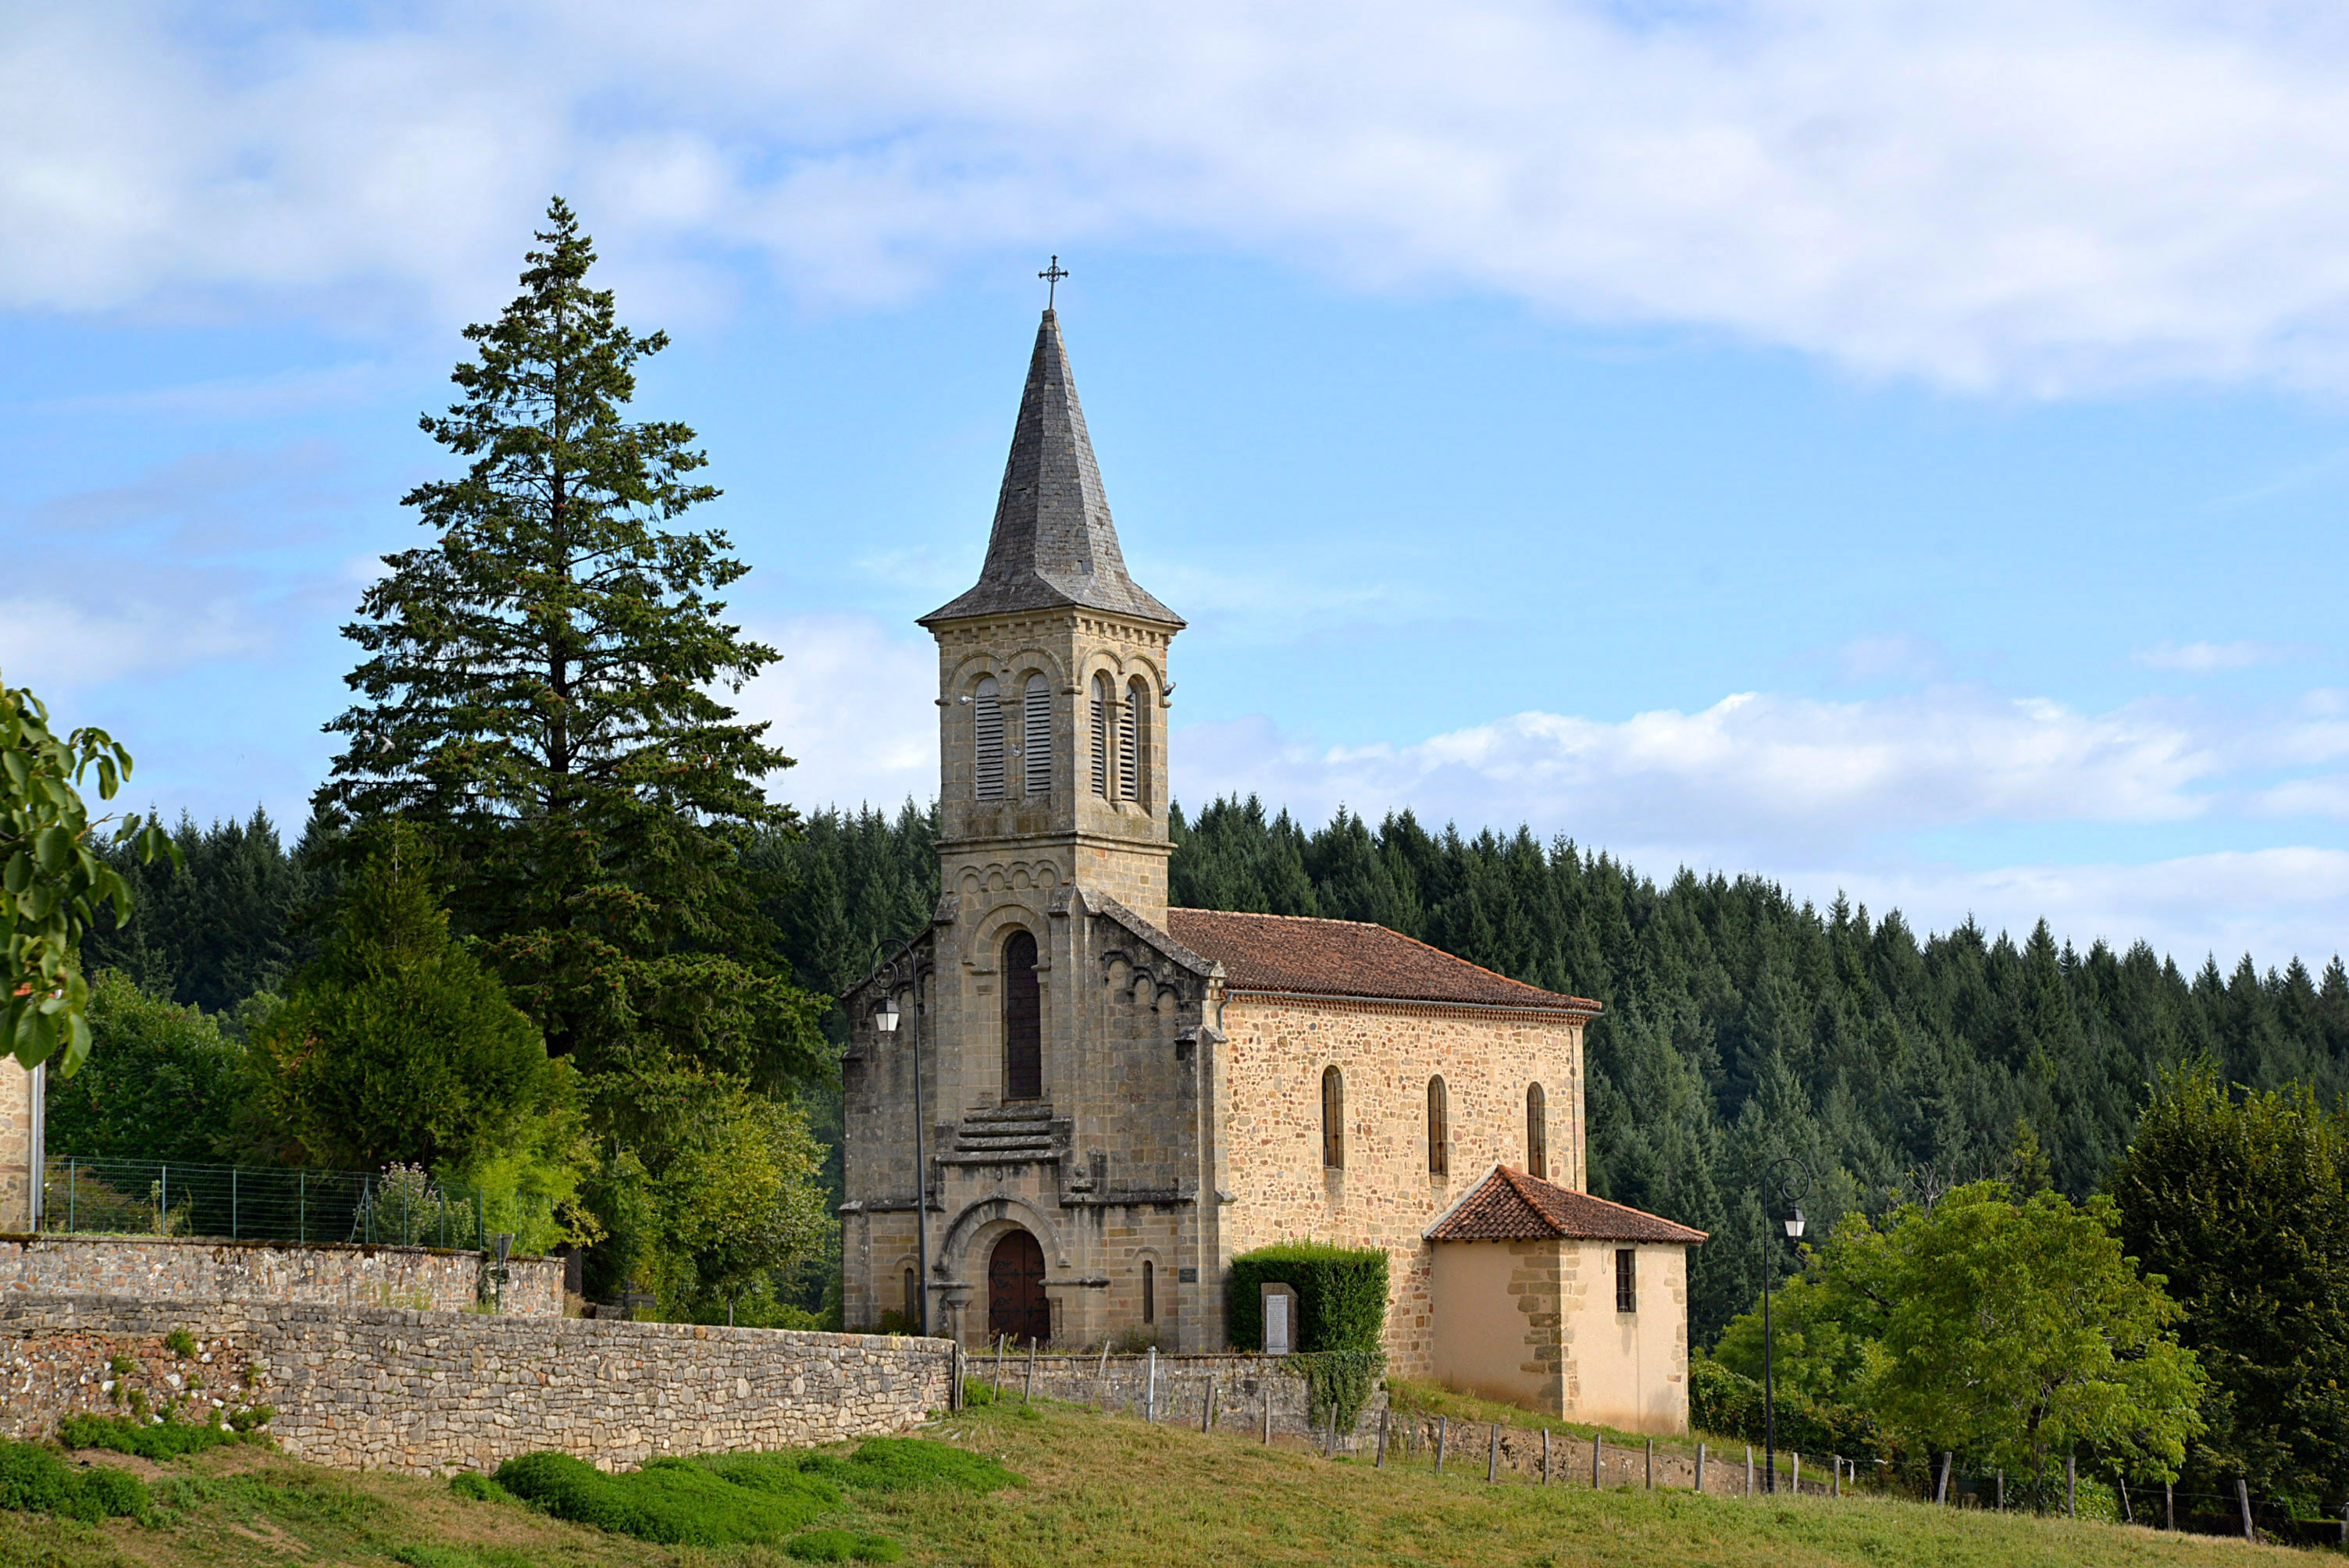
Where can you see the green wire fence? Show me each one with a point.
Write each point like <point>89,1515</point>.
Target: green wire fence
<point>400,1206</point>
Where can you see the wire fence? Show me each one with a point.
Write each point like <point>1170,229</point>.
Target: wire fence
<point>2152,1505</point>
<point>401,1205</point>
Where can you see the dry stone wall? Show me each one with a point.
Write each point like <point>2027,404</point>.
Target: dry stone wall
<point>424,1392</point>
<point>1173,1389</point>
<point>429,1279</point>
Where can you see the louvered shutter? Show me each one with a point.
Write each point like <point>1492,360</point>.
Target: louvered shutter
<point>987,727</point>
<point>1129,745</point>
<point>1100,736</point>
<point>1036,739</point>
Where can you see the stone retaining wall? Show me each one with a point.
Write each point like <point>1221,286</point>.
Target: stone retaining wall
<point>382,1389</point>
<point>1125,1384</point>
<point>322,1273</point>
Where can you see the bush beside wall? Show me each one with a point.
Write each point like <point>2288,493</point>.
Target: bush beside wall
<point>1341,1294</point>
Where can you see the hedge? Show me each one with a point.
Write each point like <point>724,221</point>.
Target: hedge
<point>1341,1295</point>
<point>673,1501</point>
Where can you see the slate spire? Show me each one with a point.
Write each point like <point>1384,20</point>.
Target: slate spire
<point>1053,543</point>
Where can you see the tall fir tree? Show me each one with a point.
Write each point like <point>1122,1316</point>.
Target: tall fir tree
<point>540,690</point>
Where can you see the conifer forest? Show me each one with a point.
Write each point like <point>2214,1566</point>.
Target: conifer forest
<point>1739,1024</point>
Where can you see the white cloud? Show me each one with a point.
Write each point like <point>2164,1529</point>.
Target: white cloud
<point>1795,776</point>
<point>2033,197</point>
<point>47,643</point>
<point>855,706</point>
<point>2206,659</point>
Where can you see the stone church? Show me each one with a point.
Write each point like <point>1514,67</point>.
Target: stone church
<point>1085,1103</point>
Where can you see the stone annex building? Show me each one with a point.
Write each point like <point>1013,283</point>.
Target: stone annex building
<point>1115,1098</point>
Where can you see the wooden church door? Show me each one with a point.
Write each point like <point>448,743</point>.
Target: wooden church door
<point>1016,1304</point>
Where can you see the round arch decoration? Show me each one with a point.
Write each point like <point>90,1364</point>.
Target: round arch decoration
<point>977,1220</point>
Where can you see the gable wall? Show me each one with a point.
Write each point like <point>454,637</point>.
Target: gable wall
<point>1274,1053</point>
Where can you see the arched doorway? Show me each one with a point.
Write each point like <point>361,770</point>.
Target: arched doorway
<point>1016,1303</point>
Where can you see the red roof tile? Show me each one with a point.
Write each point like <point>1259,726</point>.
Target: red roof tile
<point>1298,957</point>
<point>1511,1206</point>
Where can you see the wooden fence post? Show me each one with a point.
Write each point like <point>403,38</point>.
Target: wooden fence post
<point>1700,1468</point>
<point>1798,1475</point>
<point>1442,1426</point>
<point>1837,1491</point>
<point>1544,1456</point>
<point>1651,1464</point>
<point>1150,1393</point>
<point>1380,1463</point>
<point>2129,1514</point>
<point>1941,1492</point>
<point>1207,1410</point>
<point>1749,1470</point>
<point>1268,1412</point>
<point>2243,1496</point>
<point>1027,1396</point>
<point>2070,1486</point>
<point>1492,1457</point>
<point>1598,1450</point>
<point>1000,1341</point>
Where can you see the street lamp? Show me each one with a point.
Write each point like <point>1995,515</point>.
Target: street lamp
<point>885,1020</point>
<point>1776,1188</point>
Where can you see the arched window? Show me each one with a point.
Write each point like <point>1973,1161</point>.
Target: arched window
<point>1101,705</point>
<point>1130,721</point>
<point>987,740</point>
<point>1439,1127</point>
<point>1536,1132</point>
<point>1149,1291</point>
<point>1023,1021</point>
<point>1036,736</point>
<point>1333,1118</point>
<point>913,1300</point>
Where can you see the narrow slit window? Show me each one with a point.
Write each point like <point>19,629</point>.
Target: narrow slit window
<point>1627,1280</point>
<point>1439,1127</point>
<point>1536,1132</point>
<point>1129,721</point>
<point>1333,1118</point>
<point>987,743</point>
<point>913,1300</point>
<point>1023,1020</point>
<point>1036,736</point>
<point>1100,736</point>
<point>1149,1291</point>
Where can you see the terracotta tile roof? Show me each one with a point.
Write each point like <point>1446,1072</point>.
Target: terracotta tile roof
<point>1297,956</point>
<point>1511,1206</point>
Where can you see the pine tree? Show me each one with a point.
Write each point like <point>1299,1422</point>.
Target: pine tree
<point>538,690</point>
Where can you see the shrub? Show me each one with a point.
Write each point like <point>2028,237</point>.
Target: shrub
<point>908,1464</point>
<point>158,1441</point>
<point>1341,1294</point>
<point>480,1487</point>
<point>180,1343</point>
<point>976,1392</point>
<point>1730,1404</point>
<point>843,1546</point>
<point>34,1479</point>
<point>673,1501</point>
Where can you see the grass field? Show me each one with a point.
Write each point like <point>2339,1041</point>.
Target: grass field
<point>1100,1489</point>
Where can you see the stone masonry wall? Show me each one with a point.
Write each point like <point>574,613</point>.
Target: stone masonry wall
<point>16,1144</point>
<point>377,1388</point>
<point>427,1279</point>
<point>1385,1196</point>
<point>1177,1392</point>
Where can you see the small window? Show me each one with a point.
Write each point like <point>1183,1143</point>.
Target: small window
<point>1439,1127</point>
<point>1627,1280</point>
<point>987,740</point>
<point>913,1300</point>
<point>1101,705</point>
<point>1149,1292</point>
<point>1536,1133</point>
<point>1333,1118</point>
<point>1129,722</point>
<point>1036,736</point>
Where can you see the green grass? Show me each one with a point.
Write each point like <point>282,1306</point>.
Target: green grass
<point>1097,1489</point>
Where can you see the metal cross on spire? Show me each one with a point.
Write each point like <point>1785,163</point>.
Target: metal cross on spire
<point>1052,276</point>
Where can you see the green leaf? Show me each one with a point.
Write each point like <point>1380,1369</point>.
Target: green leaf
<point>19,874</point>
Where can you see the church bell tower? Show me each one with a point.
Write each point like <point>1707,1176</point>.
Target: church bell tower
<point>1052,690</point>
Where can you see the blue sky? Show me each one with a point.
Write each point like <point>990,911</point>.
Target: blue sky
<point>1887,451</point>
